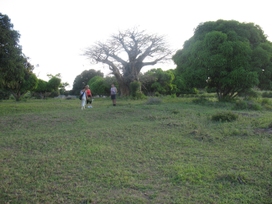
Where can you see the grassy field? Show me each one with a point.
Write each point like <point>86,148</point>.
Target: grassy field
<point>136,152</point>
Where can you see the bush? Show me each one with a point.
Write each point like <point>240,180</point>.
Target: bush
<point>195,91</point>
<point>173,96</point>
<point>240,105</point>
<point>254,106</point>
<point>139,95</point>
<point>134,87</point>
<point>247,105</point>
<point>201,100</point>
<point>157,94</point>
<point>225,117</point>
<point>265,101</point>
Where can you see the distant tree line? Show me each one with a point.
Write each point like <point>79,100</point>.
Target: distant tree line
<point>225,57</point>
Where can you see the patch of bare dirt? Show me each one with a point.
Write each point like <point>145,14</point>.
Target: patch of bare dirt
<point>263,130</point>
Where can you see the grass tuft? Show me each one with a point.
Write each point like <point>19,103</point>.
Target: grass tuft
<point>224,117</point>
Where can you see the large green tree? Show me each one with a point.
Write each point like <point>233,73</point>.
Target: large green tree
<point>126,53</point>
<point>223,55</point>
<point>17,75</point>
<point>10,50</point>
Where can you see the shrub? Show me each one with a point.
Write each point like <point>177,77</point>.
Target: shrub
<point>265,101</point>
<point>254,106</point>
<point>249,105</point>
<point>240,105</point>
<point>200,100</point>
<point>157,94</point>
<point>195,91</point>
<point>134,87</point>
<point>139,95</point>
<point>173,96</point>
<point>225,117</point>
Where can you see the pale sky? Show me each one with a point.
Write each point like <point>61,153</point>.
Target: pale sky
<point>55,33</point>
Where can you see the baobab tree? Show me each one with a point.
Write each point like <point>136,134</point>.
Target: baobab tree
<point>126,53</point>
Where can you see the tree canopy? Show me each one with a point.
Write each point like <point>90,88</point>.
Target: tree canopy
<point>126,53</point>
<point>227,56</point>
<point>17,75</point>
<point>157,81</point>
<point>49,88</point>
<point>10,51</point>
<point>82,79</point>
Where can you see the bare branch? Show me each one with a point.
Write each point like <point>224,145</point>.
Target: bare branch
<point>128,52</point>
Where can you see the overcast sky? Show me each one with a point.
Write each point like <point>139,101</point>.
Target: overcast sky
<point>55,33</point>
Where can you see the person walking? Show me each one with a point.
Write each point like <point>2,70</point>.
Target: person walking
<point>113,92</point>
<point>89,96</point>
<point>84,98</point>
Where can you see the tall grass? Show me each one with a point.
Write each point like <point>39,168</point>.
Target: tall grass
<point>136,152</point>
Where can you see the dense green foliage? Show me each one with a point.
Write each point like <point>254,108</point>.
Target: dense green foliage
<point>10,50</point>
<point>17,75</point>
<point>98,86</point>
<point>101,85</point>
<point>82,80</point>
<point>227,56</point>
<point>158,81</point>
<point>224,116</point>
<point>48,88</point>
<point>140,151</point>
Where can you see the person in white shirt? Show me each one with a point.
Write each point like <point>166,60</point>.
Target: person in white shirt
<point>84,98</point>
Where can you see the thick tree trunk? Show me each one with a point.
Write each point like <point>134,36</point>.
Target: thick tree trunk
<point>124,90</point>
<point>123,84</point>
<point>123,87</point>
<point>17,96</point>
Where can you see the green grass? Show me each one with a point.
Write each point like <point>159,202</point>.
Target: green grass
<point>136,152</point>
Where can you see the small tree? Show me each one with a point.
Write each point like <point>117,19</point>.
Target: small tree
<point>50,88</point>
<point>41,88</point>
